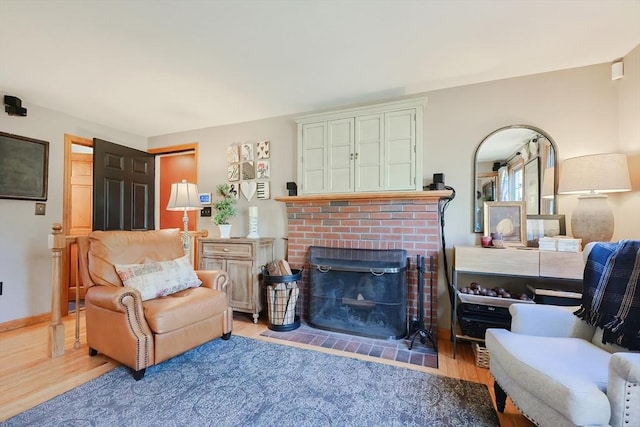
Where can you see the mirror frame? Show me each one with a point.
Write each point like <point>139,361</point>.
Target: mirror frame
<point>475,170</point>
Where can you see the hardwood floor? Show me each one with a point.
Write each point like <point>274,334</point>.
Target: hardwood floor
<point>29,377</point>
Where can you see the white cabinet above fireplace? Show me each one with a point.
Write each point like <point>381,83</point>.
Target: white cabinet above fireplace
<point>366,149</point>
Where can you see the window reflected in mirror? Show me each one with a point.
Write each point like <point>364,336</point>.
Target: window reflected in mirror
<point>513,164</point>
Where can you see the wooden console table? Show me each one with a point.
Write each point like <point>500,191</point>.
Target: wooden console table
<point>512,269</point>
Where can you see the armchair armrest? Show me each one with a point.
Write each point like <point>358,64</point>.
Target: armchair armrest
<point>215,279</point>
<point>548,321</point>
<point>219,280</point>
<point>623,388</point>
<point>117,327</point>
<point>111,297</point>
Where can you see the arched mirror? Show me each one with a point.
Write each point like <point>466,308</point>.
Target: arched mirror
<point>515,163</point>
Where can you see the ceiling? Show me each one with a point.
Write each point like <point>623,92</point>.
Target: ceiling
<point>153,67</point>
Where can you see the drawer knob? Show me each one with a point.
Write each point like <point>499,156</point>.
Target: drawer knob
<point>226,249</point>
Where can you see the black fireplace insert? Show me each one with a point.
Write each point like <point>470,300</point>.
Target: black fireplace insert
<point>359,291</point>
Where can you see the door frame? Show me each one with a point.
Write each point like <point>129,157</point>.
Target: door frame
<point>173,149</point>
<point>69,140</point>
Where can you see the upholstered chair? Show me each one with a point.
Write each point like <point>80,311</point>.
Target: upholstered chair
<point>555,366</point>
<point>144,302</point>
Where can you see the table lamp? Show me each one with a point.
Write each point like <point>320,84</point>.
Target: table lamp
<point>590,176</point>
<point>184,197</point>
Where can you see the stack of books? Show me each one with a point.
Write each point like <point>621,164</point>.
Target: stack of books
<point>560,244</point>
<point>569,244</point>
<point>548,244</point>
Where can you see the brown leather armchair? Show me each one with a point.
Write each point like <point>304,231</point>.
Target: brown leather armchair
<point>141,333</point>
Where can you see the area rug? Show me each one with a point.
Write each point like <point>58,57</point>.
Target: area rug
<point>422,352</point>
<point>244,382</point>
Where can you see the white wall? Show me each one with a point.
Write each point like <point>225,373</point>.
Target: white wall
<point>582,109</point>
<point>25,260</point>
<point>629,140</point>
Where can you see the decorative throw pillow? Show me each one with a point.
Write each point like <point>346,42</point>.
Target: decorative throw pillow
<point>157,279</point>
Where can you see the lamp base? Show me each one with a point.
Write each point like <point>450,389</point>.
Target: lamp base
<point>592,220</point>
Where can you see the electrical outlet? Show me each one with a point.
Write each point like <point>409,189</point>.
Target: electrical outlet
<point>206,211</point>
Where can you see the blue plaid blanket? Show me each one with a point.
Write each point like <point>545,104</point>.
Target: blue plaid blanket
<point>611,292</point>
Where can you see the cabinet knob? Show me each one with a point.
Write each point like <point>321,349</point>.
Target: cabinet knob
<point>225,250</point>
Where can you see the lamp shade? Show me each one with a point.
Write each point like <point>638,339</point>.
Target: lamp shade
<point>597,173</point>
<point>184,197</point>
<point>593,219</point>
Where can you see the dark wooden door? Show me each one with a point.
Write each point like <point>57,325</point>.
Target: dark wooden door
<point>123,187</point>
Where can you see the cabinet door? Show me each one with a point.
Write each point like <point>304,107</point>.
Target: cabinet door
<point>212,264</point>
<point>340,146</point>
<point>400,150</point>
<point>313,161</point>
<point>242,284</point>
<point>369,153</point>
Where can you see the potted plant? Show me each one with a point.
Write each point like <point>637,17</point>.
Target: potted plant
<point>225,208</point>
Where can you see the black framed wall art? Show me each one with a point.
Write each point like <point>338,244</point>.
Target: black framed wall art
<point>24,167</point>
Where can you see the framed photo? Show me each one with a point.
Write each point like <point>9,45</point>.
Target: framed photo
<point>544,226</point>
<point>233,154</point>
<point>24,165</point>
<point>233,172</point>
<point>248,170</point>
<point>246,152</point>
<point>532,186</point>
<point>489,191</point>
<point>262,169</point>
<point>234,190</point>
<point>263,150</point>
<point>507,218</point>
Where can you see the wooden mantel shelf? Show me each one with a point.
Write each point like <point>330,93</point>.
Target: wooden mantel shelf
<point>395,195</point>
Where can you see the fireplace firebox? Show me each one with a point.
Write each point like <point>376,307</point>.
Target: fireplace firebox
<point>358,291</point>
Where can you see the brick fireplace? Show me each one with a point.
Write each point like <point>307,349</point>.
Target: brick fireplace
<point>389,220</point>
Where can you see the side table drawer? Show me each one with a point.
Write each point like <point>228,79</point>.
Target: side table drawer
<point>226,249</point>
<point>564,265</point>
<point>497,261</point>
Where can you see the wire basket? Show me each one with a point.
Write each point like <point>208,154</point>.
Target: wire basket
<point>282,297</point>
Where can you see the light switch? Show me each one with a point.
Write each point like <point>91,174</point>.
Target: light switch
<point>41,208</point>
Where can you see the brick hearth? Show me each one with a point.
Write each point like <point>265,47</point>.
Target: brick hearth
<point>398,220</point>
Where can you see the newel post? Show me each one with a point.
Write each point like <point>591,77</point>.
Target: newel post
<point>56,328</point>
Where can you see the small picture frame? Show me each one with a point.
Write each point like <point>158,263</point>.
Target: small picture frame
<point>234,190</point>
<point>263,150</point>
<point>539,226</point>
<point>248,170</point>
<point>507,218</point>
<point>246,152</point>
<point>262,169</point>
<point>233,154</point>
<point>233,172</point>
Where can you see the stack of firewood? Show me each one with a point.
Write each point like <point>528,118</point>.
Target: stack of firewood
<point>281,297</point>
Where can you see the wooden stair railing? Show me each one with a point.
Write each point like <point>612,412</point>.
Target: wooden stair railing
<point>56,328</point>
